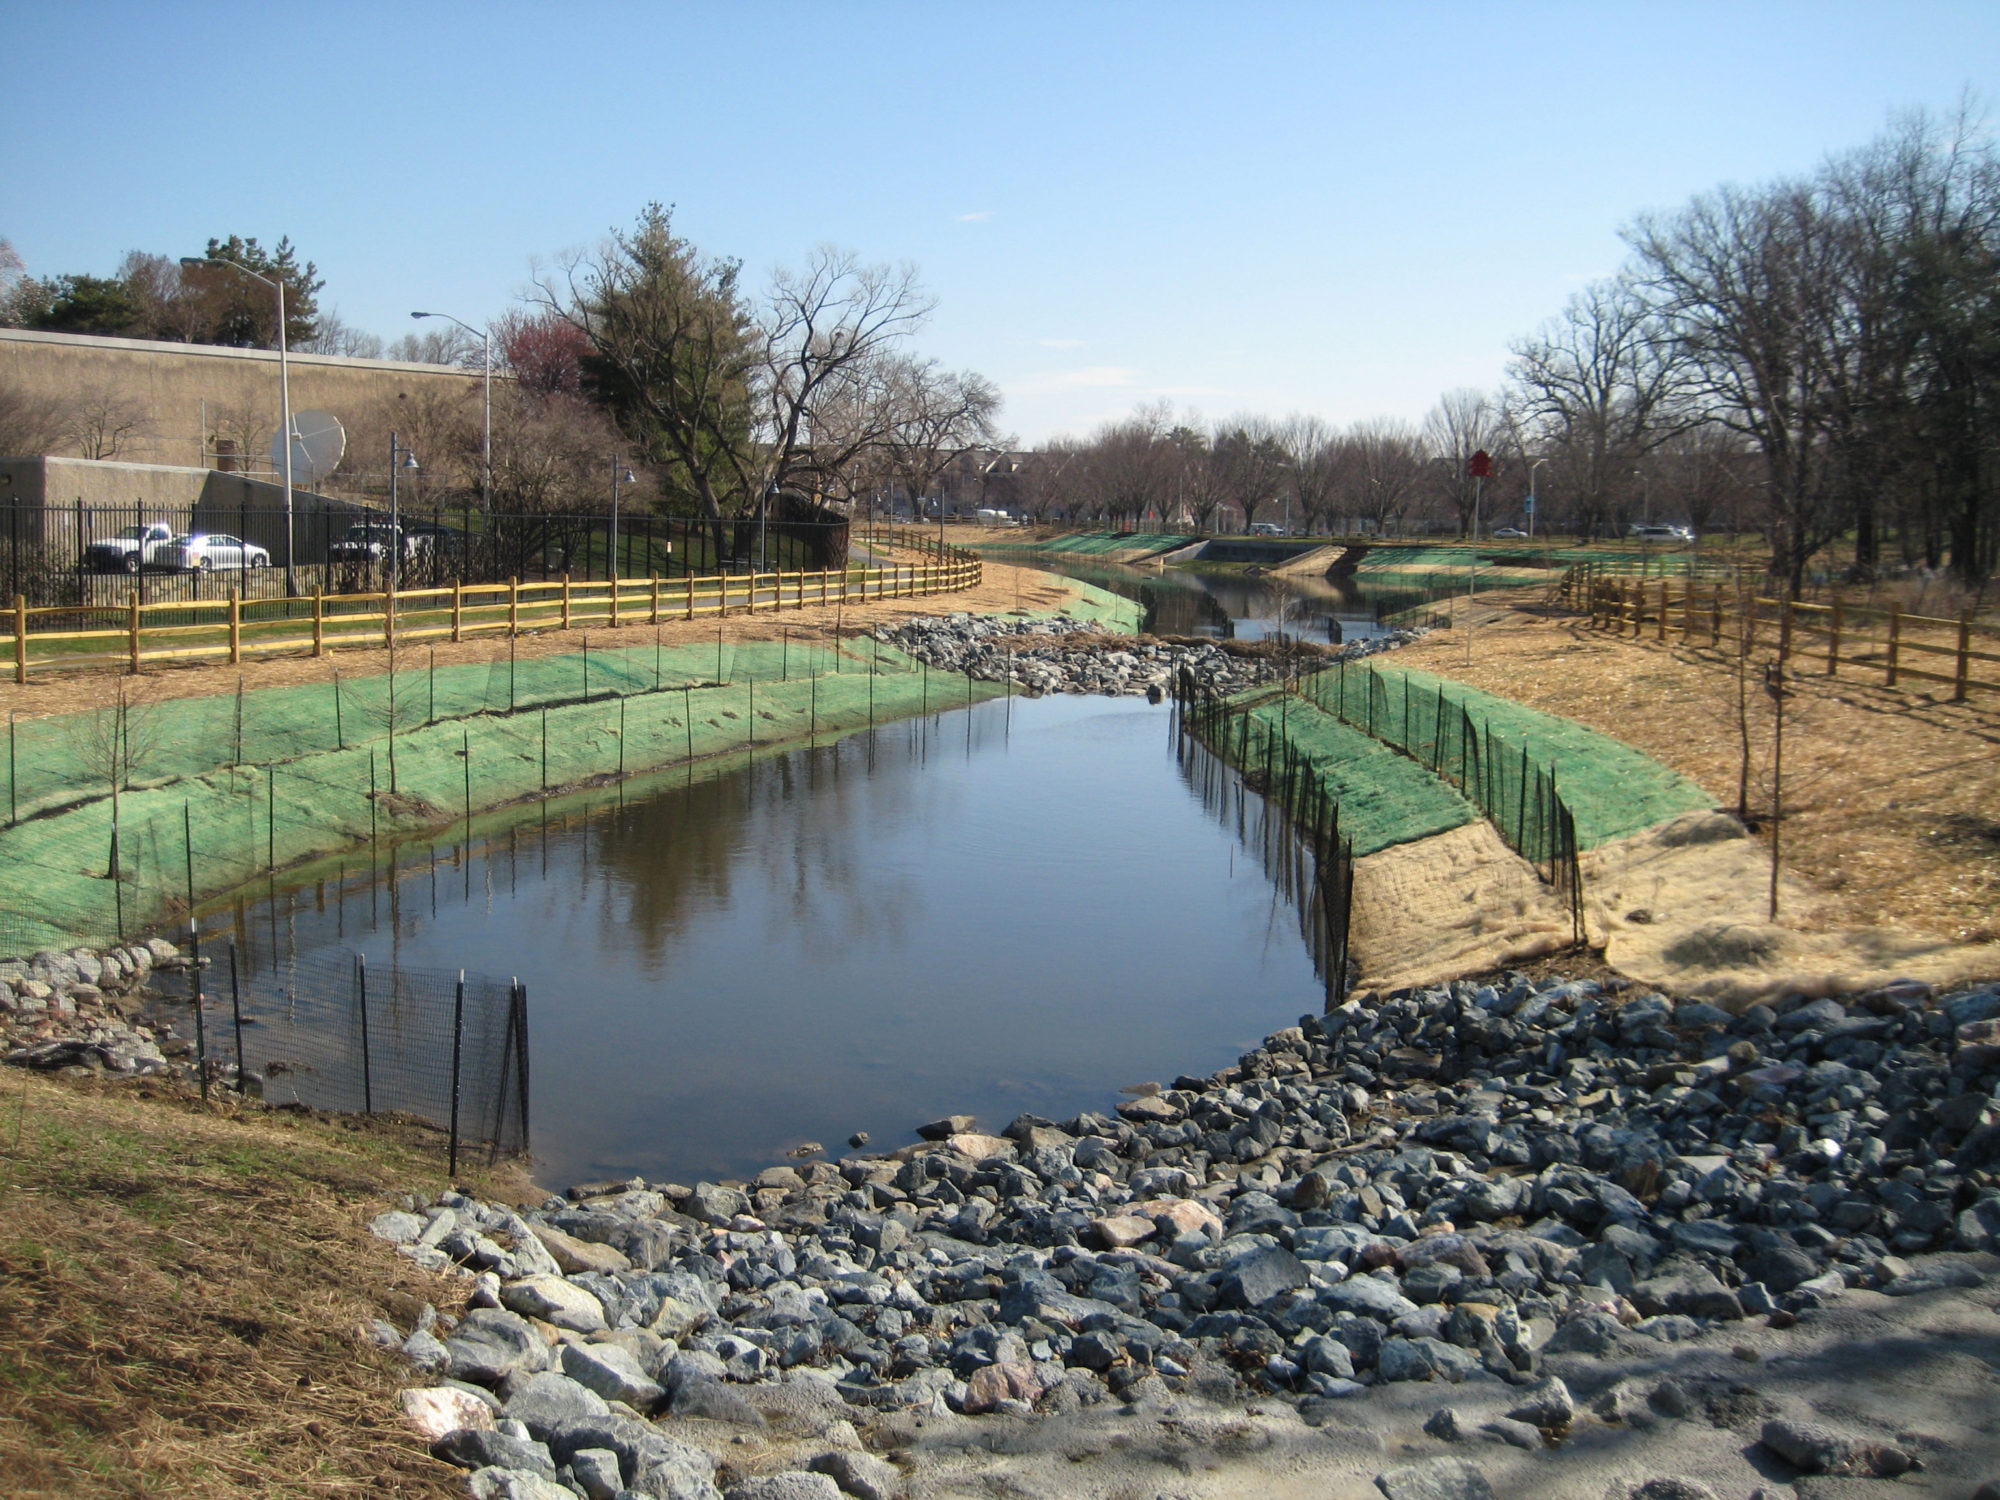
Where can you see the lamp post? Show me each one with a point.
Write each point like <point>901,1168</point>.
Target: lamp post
<point>1645,495</point>
<point>619,471</point>
<point>1531,495</point>
<point>486,425</point>
<point>284,397</point>
<point>409,458</point>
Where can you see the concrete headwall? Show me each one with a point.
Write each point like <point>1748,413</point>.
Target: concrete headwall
<point>173,383</point>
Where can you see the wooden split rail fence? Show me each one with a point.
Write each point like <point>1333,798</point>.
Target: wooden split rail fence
<point>133,634</point>
<point>1857,637</point>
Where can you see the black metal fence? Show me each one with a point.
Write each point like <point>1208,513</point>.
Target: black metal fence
<point>74,555</point>
<point>1294,827</point>
<point>332,1032</point>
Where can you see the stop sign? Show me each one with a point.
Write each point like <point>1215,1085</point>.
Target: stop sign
<point>1481,466</point>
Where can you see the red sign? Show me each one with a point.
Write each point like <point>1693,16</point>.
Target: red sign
<point>1481,466</point>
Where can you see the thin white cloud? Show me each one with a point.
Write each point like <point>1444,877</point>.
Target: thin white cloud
<point>1093,377</point>
<point>1060,343</point>
<point>978,217</point>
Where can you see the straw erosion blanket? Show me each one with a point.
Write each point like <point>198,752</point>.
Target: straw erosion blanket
<point>1891,797</point>
<point>1002,588</point>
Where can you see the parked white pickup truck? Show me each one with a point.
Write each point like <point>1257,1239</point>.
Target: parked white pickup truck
<point>130,549</point>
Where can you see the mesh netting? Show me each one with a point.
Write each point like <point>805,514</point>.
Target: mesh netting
<point>218,826</point>
<point>329,1032</point>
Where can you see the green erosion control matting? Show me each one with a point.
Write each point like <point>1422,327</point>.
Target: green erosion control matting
<point>55,761</point>
<point>1096,544</point>
<point>1612,789</point>
<point>1385,798</point>
<point>275,776</point>
<point>244,820</point>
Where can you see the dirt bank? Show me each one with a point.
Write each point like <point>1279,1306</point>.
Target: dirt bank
<point>1889,794</point>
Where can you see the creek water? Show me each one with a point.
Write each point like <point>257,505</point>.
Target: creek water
<point>1230,604</point>
<point>1022,906</point>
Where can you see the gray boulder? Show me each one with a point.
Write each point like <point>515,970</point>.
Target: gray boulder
<point>795,1485</point>
<point>613,1372</point>
<point>515,1484</point>
<point>1813,1449</point>
<point>1435,1479</point>
<point>484,1448</point>
<point>861,1475</point>
<point>489,1345</point>
<point>545,1401</point>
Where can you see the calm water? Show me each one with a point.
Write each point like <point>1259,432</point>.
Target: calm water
<point>1234,605</point>
<point>989,911</point>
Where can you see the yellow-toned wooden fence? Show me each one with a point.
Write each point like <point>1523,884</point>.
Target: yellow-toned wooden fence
<point>133,634</point>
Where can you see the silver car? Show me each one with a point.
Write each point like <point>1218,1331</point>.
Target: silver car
<point>206,551</point>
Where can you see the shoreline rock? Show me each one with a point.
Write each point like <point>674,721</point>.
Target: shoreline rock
<point>1497,1184</point>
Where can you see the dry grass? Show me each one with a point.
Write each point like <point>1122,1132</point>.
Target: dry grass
<point>1891,797</point>
<point>1002,588</point>
<point>181,1289</point>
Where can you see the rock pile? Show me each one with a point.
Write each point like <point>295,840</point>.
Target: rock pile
<point>1451,1184</point>
<point>989,648</point>
<point>79,1009</point>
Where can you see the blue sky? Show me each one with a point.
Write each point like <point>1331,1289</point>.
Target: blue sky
<point>1336,208</point>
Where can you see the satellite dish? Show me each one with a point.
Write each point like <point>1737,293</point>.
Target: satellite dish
<point>318,440</point>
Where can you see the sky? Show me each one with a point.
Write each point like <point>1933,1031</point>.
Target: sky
<point>1340,209</point>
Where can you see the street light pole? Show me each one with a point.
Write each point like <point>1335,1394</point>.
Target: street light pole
<point>284,400</point>
<point>395,507</point>
<point>1531,495</point>
<point>486,425</point>
<point>618,469</point>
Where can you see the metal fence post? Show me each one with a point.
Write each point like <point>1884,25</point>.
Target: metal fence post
<point>200,1023</point>
<point>457,1045</point>
<point>236,1013</point>
<point>367,1070</point>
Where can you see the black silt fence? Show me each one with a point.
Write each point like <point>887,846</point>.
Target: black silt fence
<point>332,1032</point>
<point>1293,827</point>
<point>1516,793</point>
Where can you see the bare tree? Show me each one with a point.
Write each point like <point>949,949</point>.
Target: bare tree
<point>1253,463</point>
<point>933,419</point>
<point>335,335</point>
<point>1595,390</point>
<point>32,425</point>
<point>104,422</point>
<point>829,333</point>
<point>1316,460</point>
<point>1464,422</point>
<point>1385,469</point>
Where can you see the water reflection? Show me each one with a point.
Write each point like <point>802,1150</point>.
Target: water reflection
<point>1233,605</point>
<point>1022,906</point>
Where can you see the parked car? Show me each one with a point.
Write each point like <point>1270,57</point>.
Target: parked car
<point>1651,532</point>
<point>1509,533</point>
<point>1267,528</point>
<point>129,549</point>
<point>205,551</point>
<point>370,541</point>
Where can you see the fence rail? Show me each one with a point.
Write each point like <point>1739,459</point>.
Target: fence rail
<point>133,634</point>
<point>1857,636</point>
